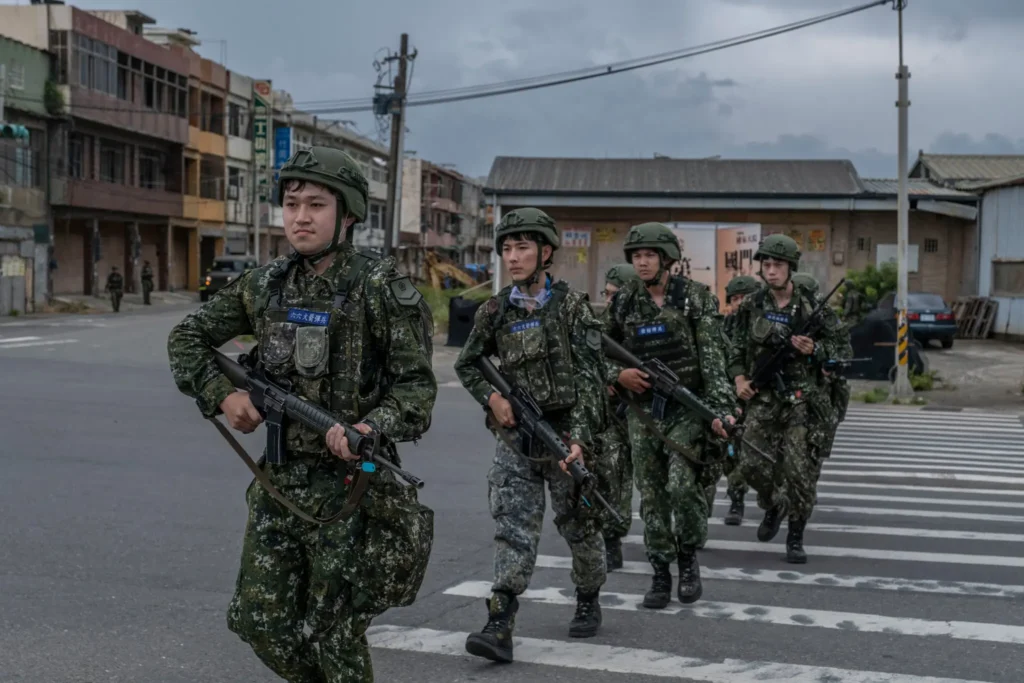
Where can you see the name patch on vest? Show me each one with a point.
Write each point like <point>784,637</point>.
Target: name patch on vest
<point>301,315</point>
<point>775,317</point>
<point>651,330</point>
<point>524,325</point>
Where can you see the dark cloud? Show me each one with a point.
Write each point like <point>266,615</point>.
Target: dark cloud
<point>963,143</point>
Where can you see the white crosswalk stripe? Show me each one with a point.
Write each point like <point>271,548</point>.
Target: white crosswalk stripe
<point>29,342</point>
<point>924,507</point>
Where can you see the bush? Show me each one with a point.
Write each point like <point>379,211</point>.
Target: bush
<point>863,289</point>
<point>438,300</point>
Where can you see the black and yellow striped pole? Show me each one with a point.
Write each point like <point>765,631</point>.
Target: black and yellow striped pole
<point>902,339</point>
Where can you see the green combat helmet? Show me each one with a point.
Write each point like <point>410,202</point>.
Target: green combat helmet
<point>621,274</point>
<point>533,221</point>
<point>807,281</point>
<point>741,284</point>
<point>782,248</point>
<point>338,172</point>
<point>656,237</point>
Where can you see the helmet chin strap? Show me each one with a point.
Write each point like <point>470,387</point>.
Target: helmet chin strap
<point>656,280</point>
<point>314,259</point>
<point>534,277</point>
<point>785,283</point>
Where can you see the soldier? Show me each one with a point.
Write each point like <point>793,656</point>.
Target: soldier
<point>737,289</point>
<point>777,414</point>
<point>147,282</point>
<point>350,333</point>
<point>618,461</point>
<point>549,343</point>
<point>115,285</point>
<point>675,320</point>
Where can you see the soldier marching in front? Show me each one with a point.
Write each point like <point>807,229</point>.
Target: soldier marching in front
<point>352,335</point>
<point>777,413</point>
<point>619,463</point>
<point>675,320</point>
<point>549,344</point>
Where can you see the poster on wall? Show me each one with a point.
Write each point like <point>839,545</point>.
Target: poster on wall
<point>578,238</point>
<point>736,245</point>
<point>816,240</point>
<point>697,244</point>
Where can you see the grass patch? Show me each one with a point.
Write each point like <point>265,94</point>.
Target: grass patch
<point>876,395</point>
<point>439,299</point>
<point>74,306</point>
<point>246,339</point>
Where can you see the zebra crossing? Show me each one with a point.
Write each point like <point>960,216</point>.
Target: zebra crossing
<point>30,341</point>
<point>915,549</point>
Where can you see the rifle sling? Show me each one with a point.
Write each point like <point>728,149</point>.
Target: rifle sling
<point>652,426</point>
<point>355,496</point>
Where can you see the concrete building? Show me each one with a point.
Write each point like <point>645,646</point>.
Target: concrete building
<point>840,220</point>
<point>24,209</point>
<point>116,180</point>
<point>238,200</point>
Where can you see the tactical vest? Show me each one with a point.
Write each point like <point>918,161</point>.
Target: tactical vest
<point>669,336</point>
<point>319,346</point>
<point>535,352</point>
<point>770,328</point>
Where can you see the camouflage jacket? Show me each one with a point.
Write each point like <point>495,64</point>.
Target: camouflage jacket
<point>699,317</point>
<point>396,374</point>
<point>585,419</point>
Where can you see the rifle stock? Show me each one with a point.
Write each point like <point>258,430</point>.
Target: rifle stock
<point>275,401</point>
<point>531,425</point>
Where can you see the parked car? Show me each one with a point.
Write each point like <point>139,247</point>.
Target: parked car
<point>225,269</point>
<point>927,315</point>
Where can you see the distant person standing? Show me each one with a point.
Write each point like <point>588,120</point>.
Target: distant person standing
<point>115,285</point>
<point>147,282</point>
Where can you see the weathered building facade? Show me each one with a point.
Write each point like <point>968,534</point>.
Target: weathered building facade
<point>1001,261</point>
<point>839,220</point>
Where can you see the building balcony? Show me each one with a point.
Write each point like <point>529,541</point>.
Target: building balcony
<point>442,204</point>
<point>203,209</point>
<point>21,205</point>
<point>206,142</point>
<point>239,148</point>
<point>379,190</point>
<point>238,212</point>
<point>110,111</point>
<point>102,196</point>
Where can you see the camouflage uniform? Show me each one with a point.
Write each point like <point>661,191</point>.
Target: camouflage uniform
<point>147,282</point>
<point>618,470</point>
<point>352,339</point>
<point>554,353</point>
<point>741,285</point>
<point>779,422</point>
<point>115,286</point>
<point>686,335</point>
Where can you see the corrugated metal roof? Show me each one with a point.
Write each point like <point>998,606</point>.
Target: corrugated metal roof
<point>756,177</point>
<point>972,167</point>
<point>916,187</point>
<point>993,184</point>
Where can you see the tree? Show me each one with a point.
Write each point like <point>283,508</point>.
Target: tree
<point>864,289</point>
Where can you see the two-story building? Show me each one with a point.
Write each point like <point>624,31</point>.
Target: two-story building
<point>24,210</point>
<point>116,176</point>
<point>238,202</point>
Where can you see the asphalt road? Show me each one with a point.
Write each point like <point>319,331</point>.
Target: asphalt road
<point>123,513</point>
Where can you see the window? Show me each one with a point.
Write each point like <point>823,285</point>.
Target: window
<point>112,161</point>
<point>77,156</point>
<point>60,64</point>
<point>917,300</point>
<point>1008,278</point>
<point>931,246</point>
<point>16,76</point>
<point>376,216</point>
<point>19,162</point>
<point>236,123</point>
<point>152,169</point>
<point>211,179</point>
<point>236,181</point>
<point>863,244</point>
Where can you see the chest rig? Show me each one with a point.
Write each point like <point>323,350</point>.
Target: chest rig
<point>667,335</point>
<point>314,343</point>
<point>771,327</point>
<point>535,351</point>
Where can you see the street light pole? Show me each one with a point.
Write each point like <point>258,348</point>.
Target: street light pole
<point>902,388</point>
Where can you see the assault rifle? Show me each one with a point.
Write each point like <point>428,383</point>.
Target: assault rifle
<point>532,427</point>
<point>768,366</point>
<point>834,365</point>
<point>665,385</point>
<point>275,402</point>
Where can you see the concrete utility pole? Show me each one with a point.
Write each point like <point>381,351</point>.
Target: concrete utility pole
<point>902,388</point>
<point>397,109</point>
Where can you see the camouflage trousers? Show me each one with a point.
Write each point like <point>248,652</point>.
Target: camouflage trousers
<point>616,475</point>
<point>291,577</point>
<point>737,486</point>
<point>780,428</point>
<point>674,505</point>
<point>516,495</point>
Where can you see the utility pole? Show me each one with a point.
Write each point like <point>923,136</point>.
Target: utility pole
<point>395,105</point>
<point>902,388</point>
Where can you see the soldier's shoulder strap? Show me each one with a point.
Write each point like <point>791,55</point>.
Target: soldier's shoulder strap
<point>354,273</point>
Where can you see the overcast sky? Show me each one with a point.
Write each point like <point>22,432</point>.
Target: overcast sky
<point>823,92</point>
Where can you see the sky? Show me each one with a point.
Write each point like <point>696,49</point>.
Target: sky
<point>827,91</point>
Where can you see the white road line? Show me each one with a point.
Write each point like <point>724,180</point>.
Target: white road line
<point>884,583</point>
<point>50,342</point>
<point>945,429</point>
<point>783,616</point>
<point>918,415</point>
<point>948,476</point>
<point>634,661</point>
<point>859,447</point>
<point>451,385</point>
<point>870,554</point>
<point>952,490</point>
<point>11,340</point>
<point>922,457</point>
<point>948,534</point>
<point>934,466</point>
<point>905,512</point>
<point>920,501</point>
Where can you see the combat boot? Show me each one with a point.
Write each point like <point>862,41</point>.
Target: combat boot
<point>689,589</point>
<point>661,588</point>
<point>769,526</point>
<point>795,542</point>
<point>613,553</point>
<point>494,642</point>
<point>588,615</point>
<point>735,515</point>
